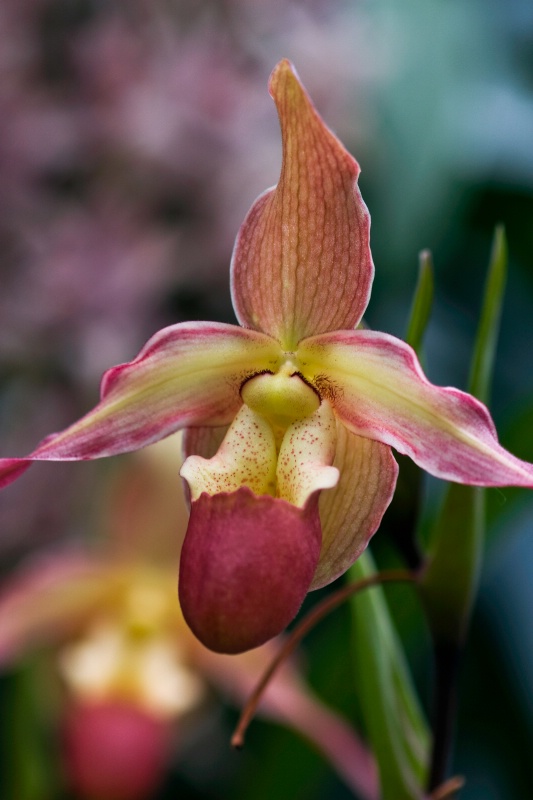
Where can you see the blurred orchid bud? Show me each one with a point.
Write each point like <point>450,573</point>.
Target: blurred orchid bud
<point>114,750</point>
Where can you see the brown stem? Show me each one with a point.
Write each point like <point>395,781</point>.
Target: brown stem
<point>320,611</point>
<point>448,789</point>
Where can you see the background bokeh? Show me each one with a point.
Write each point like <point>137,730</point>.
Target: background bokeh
<point>134,135</point>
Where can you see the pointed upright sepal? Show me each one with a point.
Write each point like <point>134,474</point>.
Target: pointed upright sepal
<point>450,582</point>
<point>302,263</point>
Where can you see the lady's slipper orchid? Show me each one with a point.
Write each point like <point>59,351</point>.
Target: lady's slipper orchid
<point>302,476</point>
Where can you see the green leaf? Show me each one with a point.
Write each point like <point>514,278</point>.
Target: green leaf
<point>408,495</point>
<point>395,723</point>
<point>422,302</point>
<point>489,325</point>
<point>394,720</point>
<point>450,582</point>
<point>30,769</point>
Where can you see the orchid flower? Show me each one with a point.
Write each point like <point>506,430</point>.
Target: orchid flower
<point>132,671</point>
<point>286,498</point>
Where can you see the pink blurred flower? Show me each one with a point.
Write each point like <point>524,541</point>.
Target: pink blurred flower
<point>134,675</point>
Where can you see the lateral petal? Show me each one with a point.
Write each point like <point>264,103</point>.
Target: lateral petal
<point>246,565</point>
<point>187,374</point>
<point>351,512</point>
<point>302,263</point>
<point>378,389</point>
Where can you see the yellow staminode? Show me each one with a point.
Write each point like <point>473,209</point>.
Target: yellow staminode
<point>283,398</point>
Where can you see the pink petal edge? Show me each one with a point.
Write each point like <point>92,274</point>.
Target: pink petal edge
<point>187,374</point>
<point>302,262</point>
<point>378,390</point>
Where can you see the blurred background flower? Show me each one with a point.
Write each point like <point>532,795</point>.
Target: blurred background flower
<point>122,685</point>
<point>134,135</point>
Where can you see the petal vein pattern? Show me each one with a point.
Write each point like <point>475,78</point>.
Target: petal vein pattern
<point>187,374</point>
<point>379,391</point>
<point>351,512</point>
<point>302,263</point>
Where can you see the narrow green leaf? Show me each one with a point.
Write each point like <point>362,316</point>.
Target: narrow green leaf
<point>489,325</point>
<point>408,496</point>
<point>450,582</point>
<point>422,302</point>
<point>29,773</point>
<point>395,723</point>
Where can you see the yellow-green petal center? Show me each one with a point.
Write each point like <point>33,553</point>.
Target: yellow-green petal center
<point>282,398</point>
